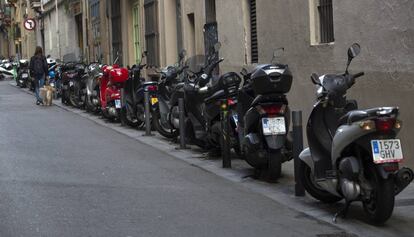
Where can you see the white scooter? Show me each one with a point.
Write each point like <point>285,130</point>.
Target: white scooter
<point>353,154</point>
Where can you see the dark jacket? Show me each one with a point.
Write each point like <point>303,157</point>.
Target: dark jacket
<point>45,70</point>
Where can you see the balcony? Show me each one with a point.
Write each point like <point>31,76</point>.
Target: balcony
<point>35,4</point>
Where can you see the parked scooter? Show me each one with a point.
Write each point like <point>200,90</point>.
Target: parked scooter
<point>73,84</point>
<point>23,73</point>
<point>6,69</point>
<point>54,76</point>
<point>111,83</point>
<point>132,96</point>
<point>93,73</point>
<point>353,154</point>
<point>202,103</point>
<point>167,98</point>
<point>263,117</point>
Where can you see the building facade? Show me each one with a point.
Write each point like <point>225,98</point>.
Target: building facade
<point>315,35</point>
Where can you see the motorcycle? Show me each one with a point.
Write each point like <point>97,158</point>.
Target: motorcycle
<point>73,84</point>
<point>167,99</point>
<point>54,77</point>
<point>263,117</point>
<point>202,97</point>
<point>23,73</point>
<point>93,74</point>
<point>111,83</point>
<point>132,97</point>
<point>353,154</point>
<point>6,69</point>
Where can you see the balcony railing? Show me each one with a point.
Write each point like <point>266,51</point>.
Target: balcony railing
<point>35,4</point>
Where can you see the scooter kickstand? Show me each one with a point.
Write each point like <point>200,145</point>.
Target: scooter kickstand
<point>342,212</point>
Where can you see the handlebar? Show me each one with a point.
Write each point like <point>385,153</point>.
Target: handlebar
<point>359,74</point>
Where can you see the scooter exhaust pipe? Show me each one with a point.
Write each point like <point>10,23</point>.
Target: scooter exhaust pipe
<point>403,178</point>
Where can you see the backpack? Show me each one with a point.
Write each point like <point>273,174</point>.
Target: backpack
<point>38,65</point>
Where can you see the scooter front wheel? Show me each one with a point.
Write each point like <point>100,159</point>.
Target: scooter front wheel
<point>166,132</point>
<point>308,181</point>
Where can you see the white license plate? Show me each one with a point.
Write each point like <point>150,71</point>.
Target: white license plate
<point>25,75</point>
<point>118,104</point>
<point>386,151</point>
<point>274,126</point>
<point>71,83</point>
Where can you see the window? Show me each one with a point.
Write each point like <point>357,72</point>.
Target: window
<point>151,32</point>
<point>321,22</point>
<point>96,30</point>
<point>253,32</point>
<point>116,30</point>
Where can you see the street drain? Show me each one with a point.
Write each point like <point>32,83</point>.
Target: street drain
<point>404,202</point>
<point>340,234</point>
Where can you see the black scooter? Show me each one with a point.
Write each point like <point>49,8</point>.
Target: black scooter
<point>203,95</point>
<point>132,96</point>
<point>170,82</point>
<point>23,73</point>
<point>263,117</point>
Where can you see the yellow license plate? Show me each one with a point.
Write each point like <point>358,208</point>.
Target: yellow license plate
<point>154,100</point>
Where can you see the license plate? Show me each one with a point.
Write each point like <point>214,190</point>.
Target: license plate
<point>25,75</point>
<point>154,100</point>
<point>71,83</point>
<point>118,104</point>
<point>386,151</point>
<point>274,126</point>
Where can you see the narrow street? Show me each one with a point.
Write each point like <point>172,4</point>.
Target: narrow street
<point>63,175</point>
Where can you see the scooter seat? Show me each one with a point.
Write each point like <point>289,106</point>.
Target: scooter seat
<point>358,115</point>
<point>353,116</point>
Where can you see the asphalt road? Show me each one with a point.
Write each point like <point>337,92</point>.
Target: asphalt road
<point>63,175</point>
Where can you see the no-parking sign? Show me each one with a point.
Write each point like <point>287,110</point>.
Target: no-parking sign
<point>29,24</point>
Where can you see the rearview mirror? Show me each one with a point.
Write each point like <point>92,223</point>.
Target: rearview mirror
<point>217,46</point>
<point>183,53</point>
<point>315,79</point>
<point>244,72</point>
<point>277,52</point>
<point>354,50</point>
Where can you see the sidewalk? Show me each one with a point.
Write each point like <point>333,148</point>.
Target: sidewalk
<point>282,192</point>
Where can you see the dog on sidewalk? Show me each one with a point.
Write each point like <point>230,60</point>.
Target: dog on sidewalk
<point>46,93</point>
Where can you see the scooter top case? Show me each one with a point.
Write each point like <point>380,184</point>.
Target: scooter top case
<point>117,74</point>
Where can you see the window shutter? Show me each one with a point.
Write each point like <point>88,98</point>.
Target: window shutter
<point>253,32</point>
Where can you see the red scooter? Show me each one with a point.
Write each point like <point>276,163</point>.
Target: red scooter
<point>111,83</point>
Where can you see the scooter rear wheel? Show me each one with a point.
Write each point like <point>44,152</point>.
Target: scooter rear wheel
<point>380,206</point>
<point>308,181</point>
<point>274,168</point>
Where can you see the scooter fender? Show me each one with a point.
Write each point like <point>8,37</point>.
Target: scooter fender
<point>344,136</point>
<point>275,142</point>
<point>306,157</point>
<point>163,106</point>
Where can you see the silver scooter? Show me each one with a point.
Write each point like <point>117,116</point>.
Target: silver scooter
<point>353,154</point>
<point>93,74</point>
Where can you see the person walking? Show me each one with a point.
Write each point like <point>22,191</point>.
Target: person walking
<point>38,70</point>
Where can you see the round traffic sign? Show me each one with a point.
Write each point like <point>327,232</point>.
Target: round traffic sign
<point>29,24</point>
